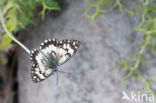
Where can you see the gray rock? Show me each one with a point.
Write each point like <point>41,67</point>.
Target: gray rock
<point>96,77</point>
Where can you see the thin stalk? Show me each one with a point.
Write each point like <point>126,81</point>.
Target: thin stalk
<point>11,36</point>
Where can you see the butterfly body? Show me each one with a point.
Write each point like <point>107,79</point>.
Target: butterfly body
<point>52,53</point>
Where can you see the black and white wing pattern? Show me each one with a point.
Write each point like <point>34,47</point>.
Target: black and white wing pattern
<point>53,52</point>
<point>59,51</point>
<point>40,69</point>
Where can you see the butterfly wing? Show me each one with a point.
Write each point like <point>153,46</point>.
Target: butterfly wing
<point>60,51</point>
<point>51,52</point>
<point>69,48</point>
<point>40,68</point>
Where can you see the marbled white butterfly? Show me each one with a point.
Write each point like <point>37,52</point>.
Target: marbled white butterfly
<point>51,54</point>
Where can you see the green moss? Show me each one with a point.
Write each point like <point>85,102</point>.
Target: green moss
<point>99,10</point>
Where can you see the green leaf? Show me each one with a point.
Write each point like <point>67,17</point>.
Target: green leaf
<point>6,39</point>
<point>6,42</point>
<point>12,23</point>
<point>51,4</point>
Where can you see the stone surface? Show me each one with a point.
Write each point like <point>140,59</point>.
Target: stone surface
<point>96,77</point>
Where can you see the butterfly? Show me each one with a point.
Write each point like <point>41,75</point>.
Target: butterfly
<point>51,54</point>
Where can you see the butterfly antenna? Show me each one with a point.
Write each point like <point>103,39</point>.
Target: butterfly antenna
<point>64,72</point>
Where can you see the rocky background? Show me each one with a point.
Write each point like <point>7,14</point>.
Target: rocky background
<point>96,77</point>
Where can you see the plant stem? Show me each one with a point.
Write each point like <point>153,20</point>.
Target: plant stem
<point>11,36</point>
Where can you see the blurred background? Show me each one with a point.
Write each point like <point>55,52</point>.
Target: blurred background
<point>116,55</point>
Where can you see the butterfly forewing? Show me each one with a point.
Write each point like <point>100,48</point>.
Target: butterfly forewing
<point>69,48</point>
<point>59,51</point>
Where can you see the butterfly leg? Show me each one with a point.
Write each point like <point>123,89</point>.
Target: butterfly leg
<point>57,77</point>
<point>63,72</point>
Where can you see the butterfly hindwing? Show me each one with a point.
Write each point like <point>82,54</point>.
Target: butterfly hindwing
<point>39,70</point>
